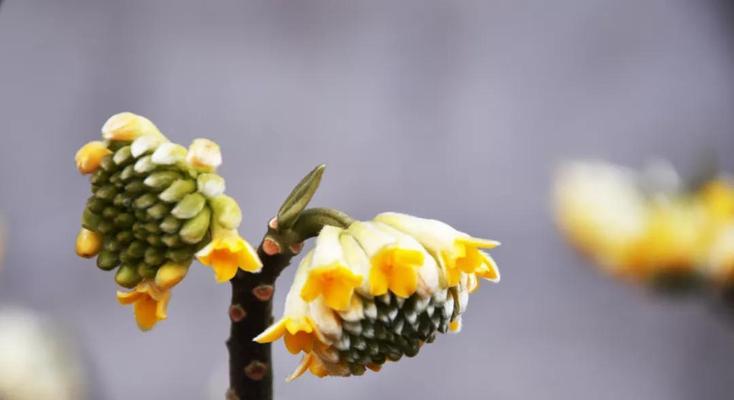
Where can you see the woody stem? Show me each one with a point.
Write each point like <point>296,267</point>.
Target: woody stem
<point>251,309</point>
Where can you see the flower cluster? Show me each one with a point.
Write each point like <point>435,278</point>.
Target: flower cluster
<point>378,290</point>
<point>647,226</point>
<point>155,205</point>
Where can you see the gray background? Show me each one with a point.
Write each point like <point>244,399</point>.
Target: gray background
<point>453,110</point>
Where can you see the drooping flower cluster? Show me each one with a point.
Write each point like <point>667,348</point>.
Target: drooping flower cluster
<point>155,205</point>
<point>648,227</point>
<point>377,291</point>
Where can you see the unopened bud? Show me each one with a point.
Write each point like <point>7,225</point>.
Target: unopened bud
<point>88,243</point>
<point>189,206</point>
<point>210,185</point>
<point>170,224</point>
<point>127,276</point>
<point>161,180</point>
<point>89,157</point>
<point>204,155</point>
<point>127,126</point>
<point>170,274</point>
<point>107,260</point>
<point>196,228</point>
<point>177,191</point>
<point>122,156</point>
<point>169,154</point>
<point>145,144</point>
<point>144,164</point>
<point>227,212</point>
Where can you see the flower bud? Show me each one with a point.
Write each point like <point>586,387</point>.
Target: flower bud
<point>89,157</point>
<point>122,156</point>
<point>196,228</point>
<point>144,164</point>
<point>127,276</point>
<point>170,274</point>
<point>88,243</point>
<point>210,185</point>
<point>189,206</point>
<point>145,144</point>
<point>204,155</point>
<point>161,180</point>
<point>227,213</point>
<point>177,191</point>
<point>127,126</point>
<point>169,154</point>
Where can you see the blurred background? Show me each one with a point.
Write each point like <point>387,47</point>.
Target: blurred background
<point>452,110</point>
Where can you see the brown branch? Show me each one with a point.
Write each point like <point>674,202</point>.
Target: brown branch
<point>251,312</point>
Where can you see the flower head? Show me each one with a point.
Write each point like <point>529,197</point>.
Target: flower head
<point>368,294</point>
<point>151,212</point>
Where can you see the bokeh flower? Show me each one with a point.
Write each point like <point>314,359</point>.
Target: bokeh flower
<point>151,212</point>
<point>376,291</point>
<point>634,227</point>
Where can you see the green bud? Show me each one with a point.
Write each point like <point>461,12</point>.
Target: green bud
<point>99,177</point>
<point>106,192</point>
<point>210,185</point>
<point>107,260</point>
<point>171,240</point>
<point>170,224</point>
<point>196,228</point>
<point>127,276</point>
<point>140,234</point>
<point>161,180</point>
<point>115,179</point>
<point>177,191</point>
<point>120,200</point>
<point>109,213</point>
<point>179,255</point>
<point>140,215</point>
<point>144,164</point>
<point>227,212</point>
<point>105,227</point>
<point>147,271</point>
<point>122,156</point>
<point>189,206</point>
<point>124,220</point>
<point>153,256</point>
<point>152,227</point>
<point>135,187</point>
<point>112,245</point>
<point>124,237</point>
<point>95,205</point>
<point>136,249</point>
<point>128,173</point>
<point>154,240</point>
<point>145,201</point>
<point>107,163</point>
<point>90,220</point>
<point>159,211</point>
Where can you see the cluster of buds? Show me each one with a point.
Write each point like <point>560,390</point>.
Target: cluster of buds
<point>156,205</point>
<point>376,291</point>
<point>648,227</point>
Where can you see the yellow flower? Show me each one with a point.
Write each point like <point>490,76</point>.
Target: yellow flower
<point>149,302</point>
<point>90,156</point>
<point>127,126</point>
<point>718,198</point>
<point>296,326</point>
<point>227,252</point>
<point>455,251</point>
<point>88,243</point>
<point>602,211</point>
<point>328,273</point>
<point>720,258</point>
<point>204,154</point>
